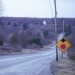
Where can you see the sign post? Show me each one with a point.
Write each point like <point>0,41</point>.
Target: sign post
<point>63,33</point>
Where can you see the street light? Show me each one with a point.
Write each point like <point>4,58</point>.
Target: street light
<point>44,22</point>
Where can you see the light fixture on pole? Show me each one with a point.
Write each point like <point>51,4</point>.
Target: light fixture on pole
<point>44,22</point>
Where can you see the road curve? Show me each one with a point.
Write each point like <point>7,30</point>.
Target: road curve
<point>28,64</point>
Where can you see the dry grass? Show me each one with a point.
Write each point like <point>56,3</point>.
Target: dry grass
<point>64,66</point>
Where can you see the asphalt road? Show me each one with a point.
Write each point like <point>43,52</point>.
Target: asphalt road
<point>31,64</point>
<point>28,64</point>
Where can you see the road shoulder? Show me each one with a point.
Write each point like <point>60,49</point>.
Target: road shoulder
<point>64,66</point>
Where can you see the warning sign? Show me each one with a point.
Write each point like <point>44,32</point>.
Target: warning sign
<point>63,44</point>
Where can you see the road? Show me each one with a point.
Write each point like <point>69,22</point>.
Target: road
<point>28,64</point>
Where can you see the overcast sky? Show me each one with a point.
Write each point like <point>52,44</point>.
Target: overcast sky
<point>38,8</point>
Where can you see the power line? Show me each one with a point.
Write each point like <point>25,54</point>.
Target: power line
<point>50,7</point>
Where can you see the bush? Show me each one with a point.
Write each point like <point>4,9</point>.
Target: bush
<point>13,40</point>
<point>71,50</point>
<point>35,41</point>
<point>45,33</point>
<point>33,46</point>
<point>68,30</point>
<point>1,42</point>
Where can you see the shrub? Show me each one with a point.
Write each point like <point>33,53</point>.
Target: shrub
<point>45,33</point>
<point>13,40</point>
<point>1,42</point>
<point>71,50</point>
<point>35,41</point>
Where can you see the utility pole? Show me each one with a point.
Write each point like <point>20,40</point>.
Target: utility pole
<point>56,30</point>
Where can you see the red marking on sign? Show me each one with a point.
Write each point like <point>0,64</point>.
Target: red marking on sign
<point>62,46</point>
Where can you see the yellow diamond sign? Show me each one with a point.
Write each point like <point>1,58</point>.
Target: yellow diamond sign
<point>63,45</point>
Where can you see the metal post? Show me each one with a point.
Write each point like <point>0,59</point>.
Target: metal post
<point>56,30</point>
<point>63,35</point>
<point>63,26</point>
